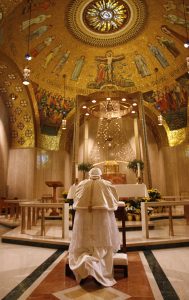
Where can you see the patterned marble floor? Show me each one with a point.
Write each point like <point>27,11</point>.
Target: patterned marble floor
<point>39,273</point>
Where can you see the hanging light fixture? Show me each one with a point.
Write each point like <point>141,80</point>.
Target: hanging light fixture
<point>160,117</point>
<point>187,63</point>
<point>186,43</point>
<point>63,115</point>
<point>13,96</point>
<point>156,73</point>
<point>26,75</point>
<point>63,124</point>
<point>26,71</point>
<point>27,55</point>
<point>160,120</point>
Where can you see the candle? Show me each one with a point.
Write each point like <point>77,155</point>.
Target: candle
<point>76,170</point>
<point>138,169</point>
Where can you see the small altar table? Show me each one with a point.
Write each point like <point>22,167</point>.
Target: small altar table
<point>54,185</point>
<point>131,190</point>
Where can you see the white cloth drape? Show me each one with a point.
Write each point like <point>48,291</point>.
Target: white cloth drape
<point>95,238</point>
<point>97,262</point>
<point>95,235</point>
<point>99,193</point>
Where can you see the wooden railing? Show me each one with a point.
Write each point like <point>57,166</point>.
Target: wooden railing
<point>29,214</point>
<point>169,205</point>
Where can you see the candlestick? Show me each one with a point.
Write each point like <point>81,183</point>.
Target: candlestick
<point>138,169</point>
<point>76,170</point>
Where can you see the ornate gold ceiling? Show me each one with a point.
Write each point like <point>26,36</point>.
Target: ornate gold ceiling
<point>82,47</point>
<point>106,23</point>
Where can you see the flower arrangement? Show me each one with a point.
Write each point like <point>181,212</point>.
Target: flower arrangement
<point>65,199</point>
<point>134,206</point>
<point>64,194</point>
<point>154,194</point>
<point>133,165</point>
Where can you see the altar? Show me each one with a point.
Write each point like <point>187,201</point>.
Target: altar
<point>115,178</point>
<point>131,190</point>
<point>111,173</point>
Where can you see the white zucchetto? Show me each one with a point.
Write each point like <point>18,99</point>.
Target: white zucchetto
<point>95,172</point>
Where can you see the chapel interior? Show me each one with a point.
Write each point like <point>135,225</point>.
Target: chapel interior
<point>107,84</point>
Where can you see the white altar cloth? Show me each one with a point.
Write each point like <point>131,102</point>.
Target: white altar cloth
<point>132,190</point>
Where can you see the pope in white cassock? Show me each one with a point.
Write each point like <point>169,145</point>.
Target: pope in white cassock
<point>95,236</point>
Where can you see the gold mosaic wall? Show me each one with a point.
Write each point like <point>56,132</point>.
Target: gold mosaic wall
<point>16,99</point>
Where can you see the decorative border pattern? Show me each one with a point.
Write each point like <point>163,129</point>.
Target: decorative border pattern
<point>165,287</point>
<point>77,26</point>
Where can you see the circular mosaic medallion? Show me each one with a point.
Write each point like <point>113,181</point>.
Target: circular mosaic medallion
<point>106,22</point>
<point>106,17</point>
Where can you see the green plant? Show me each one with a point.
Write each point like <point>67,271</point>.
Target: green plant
<point>84,167</point>
<point>133,165</point>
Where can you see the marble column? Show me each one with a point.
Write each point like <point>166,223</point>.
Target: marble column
<point>137,139</point>
<point>86,140</point>
<point>76,141</point>
<point>147,170</point>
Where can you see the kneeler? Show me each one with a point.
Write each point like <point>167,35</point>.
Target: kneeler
<point>120,259</point>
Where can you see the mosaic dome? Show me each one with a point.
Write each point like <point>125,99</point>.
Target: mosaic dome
<point>106,23</point>
<point>85,47</point>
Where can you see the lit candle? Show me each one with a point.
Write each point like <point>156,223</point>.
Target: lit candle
<point>76,170</point>
<point>138,169</point>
